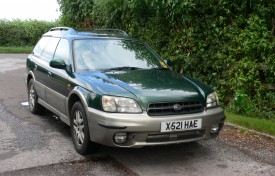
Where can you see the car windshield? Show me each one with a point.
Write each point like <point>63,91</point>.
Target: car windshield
<point>106,54</point>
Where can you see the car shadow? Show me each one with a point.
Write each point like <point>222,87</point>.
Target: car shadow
<point>184,153</point>
<point>53,123</point>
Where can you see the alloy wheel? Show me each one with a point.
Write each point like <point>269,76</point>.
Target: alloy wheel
<point>78,127</point>
<point>31,96</point>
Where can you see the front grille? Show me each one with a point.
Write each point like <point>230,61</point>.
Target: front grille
<point>186,107</point>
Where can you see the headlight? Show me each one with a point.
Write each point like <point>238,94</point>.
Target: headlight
<point>212,100</point>
<point>120,104</point>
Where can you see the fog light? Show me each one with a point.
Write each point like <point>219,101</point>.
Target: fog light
<point>215,129</point>
<point>120,138</point>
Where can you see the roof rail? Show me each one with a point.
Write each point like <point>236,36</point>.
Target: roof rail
<point>111,30</point>
<point>68,30</point>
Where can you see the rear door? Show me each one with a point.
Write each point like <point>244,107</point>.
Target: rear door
<point>42,54</point>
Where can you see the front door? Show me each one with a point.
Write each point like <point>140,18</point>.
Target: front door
<point>58,90</point>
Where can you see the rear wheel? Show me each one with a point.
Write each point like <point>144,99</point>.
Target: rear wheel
<point>80,130</point>
<point>34,106</point>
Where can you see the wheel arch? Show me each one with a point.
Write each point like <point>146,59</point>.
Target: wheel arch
<point>29,77</point>
<point>76,95</point>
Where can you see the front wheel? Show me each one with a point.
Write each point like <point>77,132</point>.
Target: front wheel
<point>80,130</point>
<point>34,106</point>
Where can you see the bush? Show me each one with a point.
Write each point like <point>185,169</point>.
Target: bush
<point>23,33</point>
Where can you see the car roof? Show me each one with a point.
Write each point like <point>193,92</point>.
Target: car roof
<point>70,33</point>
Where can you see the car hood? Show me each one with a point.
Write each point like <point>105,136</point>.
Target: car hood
<point>146,86</point>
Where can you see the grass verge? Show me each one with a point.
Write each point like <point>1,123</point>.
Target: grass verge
<point>14,49</point>
<point>261,125</point>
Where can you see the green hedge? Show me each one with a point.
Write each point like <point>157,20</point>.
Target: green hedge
<point>23,33</point>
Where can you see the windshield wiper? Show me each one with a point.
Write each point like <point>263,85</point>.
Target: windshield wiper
<point>122,68</point>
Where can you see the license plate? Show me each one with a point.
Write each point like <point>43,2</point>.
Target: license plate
<point>180,125</point>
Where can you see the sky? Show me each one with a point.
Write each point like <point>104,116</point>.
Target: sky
<point>46,10</point>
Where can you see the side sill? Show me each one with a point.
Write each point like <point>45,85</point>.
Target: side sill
<point>62,116</point>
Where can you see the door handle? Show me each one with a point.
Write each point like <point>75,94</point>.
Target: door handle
<point>49,74</point>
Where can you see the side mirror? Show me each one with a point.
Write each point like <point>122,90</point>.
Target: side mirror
<point>58,63</point>
<point>168,62</point>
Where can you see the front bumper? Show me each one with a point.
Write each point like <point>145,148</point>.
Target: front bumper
<point>144,130</point>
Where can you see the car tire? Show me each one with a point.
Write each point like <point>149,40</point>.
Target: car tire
<point>34,106</point>
<point>80,130</point>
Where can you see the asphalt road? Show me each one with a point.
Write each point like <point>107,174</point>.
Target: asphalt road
<point>41,145</point>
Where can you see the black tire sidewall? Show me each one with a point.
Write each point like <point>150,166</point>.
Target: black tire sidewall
<point>86,147</point>
<point>36,107</point>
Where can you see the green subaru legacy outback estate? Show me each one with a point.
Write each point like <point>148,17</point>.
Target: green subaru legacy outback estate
<point>114,90</point>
